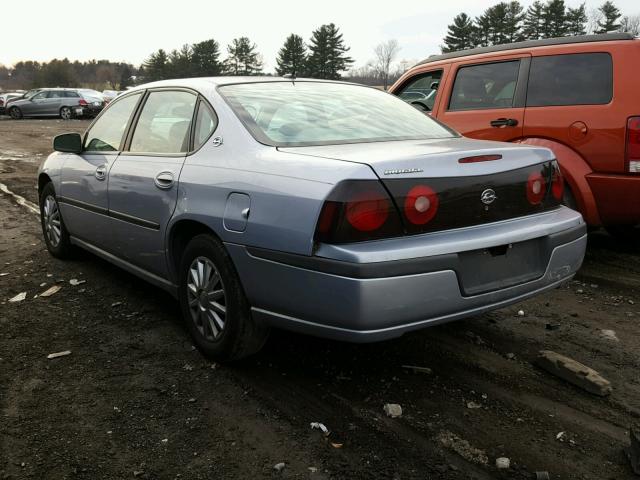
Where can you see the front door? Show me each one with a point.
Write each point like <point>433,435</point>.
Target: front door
<point>83,191</point>
<point>486,101</point>
<point>143,182</point>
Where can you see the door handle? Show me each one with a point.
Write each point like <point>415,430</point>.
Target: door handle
<point>164,180</point>
<point>504,122</point>
<point>101,172</point>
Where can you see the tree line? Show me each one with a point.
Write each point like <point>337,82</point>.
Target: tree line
<point>98,74</point>
<point>324,56</point>
<point>508,22</point>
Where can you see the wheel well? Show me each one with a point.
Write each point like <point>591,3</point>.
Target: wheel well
<point>179,236</point>
<point>43,179</point>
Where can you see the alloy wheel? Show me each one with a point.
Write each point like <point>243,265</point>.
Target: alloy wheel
<point>52,226</point>
<point>206,297</point>
<point>65,113</point>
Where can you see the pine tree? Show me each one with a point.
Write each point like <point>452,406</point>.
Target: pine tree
<point>460,35</point>
<point>533,27</point>
<point>205,59</point>
<point>243,58</point>
<point>577,20</point>
<point>512,28</point>
<point>610,17</point>
<point>482,32</point>
<point>156,66</point>
<point>180,62</point>
<point>554,16</point>
<point>328,54</point>
<point>292,57</point>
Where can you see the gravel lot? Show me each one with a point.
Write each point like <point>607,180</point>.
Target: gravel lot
<point>135,400</point>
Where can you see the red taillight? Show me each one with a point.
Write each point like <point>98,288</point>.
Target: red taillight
<point>536,187</point>
<point>480,158</point>
<point>421,205</point>
<point>358,210</point>
<point>367,211</point>
<point>82,102</point>
<point>557,184</point>
<point>633,145</point>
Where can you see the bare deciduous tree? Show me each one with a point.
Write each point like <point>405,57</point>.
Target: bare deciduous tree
<point>630,24</point>
<point>594,17</point>
<point>386,53</point>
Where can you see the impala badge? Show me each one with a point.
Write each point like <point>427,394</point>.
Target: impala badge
<point>488,196</point>
<point>400,171</point>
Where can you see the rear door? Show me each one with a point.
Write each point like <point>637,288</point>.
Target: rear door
<point>486,100</point>
<point>143,182</point>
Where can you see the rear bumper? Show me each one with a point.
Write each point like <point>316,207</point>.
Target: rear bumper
<point>371,301</point>
<point>617,197</point>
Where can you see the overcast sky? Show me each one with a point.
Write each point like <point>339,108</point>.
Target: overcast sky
<point>129,30</point>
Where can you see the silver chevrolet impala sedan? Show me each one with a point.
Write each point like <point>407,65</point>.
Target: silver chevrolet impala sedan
<point>322,207</point>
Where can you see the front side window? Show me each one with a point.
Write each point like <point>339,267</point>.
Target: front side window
<point>487,86</point>
<point>106,134</point>
<point>323,113</point>
<point>163,126</point>
<point>206,123</point>
<point>421,91</point>
<point>40,96</point>
<point>574,79</point>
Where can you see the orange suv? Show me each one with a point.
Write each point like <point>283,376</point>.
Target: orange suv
<point>578,96</point>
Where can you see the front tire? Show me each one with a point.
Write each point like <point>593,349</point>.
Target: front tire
<point>15,113</point>
<point>66,113</point>
<point>56,236</point>
<point>214,305</point>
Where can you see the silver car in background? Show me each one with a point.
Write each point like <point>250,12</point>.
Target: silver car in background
<point>65,103</point>
<point>322,207</point>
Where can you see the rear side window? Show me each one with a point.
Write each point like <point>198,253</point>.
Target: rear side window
<point>163,126</point>
<point>71,94</point>
<point>421,90</point>
<point>575,79</point>
<point>491,85</point>
<point>106,134</point>
<point>206,123</point>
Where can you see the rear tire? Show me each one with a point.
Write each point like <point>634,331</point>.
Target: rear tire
<point>66,113</point>
<point>627,234</point>
<point>56,236</point>
<point>214,306</point>
<point>15,113</point>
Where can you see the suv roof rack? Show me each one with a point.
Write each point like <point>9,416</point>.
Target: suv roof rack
<point>606,37</point>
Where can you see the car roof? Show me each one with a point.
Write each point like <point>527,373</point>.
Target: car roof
<point>208,82</point>
<point>607,37</point>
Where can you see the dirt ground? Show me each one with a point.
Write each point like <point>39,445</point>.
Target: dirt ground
<point>135,400</point>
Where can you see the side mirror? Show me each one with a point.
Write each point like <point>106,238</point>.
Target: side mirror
<point>68,143</point>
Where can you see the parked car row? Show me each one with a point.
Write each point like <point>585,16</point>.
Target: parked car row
<point>65,103</point>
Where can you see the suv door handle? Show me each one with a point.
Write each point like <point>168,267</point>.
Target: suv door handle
<point>164,180</point>
<point>504,122</point>
<point>101,172</point>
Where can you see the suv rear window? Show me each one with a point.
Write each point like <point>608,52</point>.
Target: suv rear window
<point>491,85</point>
<point>574,79</point>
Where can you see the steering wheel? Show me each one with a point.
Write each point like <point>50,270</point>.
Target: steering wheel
<point>421,106</point>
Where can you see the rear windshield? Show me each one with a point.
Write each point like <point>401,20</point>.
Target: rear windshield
<point>316,113</point>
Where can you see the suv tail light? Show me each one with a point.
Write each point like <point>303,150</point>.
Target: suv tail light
<point>82,102</point>
<point>633,145</point>
<point>358,210</point>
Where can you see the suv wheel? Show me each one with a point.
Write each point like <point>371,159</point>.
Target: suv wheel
<point>625,233</point>
<point>213,303</point>
<point>15,113</point>
<point>56,236</point>
<point>65,113</point>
